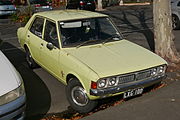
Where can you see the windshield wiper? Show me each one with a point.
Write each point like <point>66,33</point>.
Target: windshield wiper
<point>85,42</point>
<point>113,37</point>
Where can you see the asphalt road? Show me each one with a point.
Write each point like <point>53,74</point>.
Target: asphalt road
<point>44,93</point>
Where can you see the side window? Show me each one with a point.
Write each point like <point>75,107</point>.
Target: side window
<point>37,27</point>
<point>50,34</point>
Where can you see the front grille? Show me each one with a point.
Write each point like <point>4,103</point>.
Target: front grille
<point>143,75</point>
<point>126,79</point>
<point>134,77</point>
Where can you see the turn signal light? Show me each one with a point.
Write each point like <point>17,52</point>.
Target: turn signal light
<point>93,85</point>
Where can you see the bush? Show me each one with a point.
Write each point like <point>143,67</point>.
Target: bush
<point>22,15</point>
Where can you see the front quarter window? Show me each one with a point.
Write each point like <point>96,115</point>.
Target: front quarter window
<point>93,30</point>
<point>50,34</point>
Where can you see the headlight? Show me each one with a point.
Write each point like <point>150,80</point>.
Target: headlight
<point>158,70</point>
<point>112,81</point>
<point>161,69</point>
<point>107,82</point>
<point>16,93</point>
<point>154,71</point>
<point>102,83</point>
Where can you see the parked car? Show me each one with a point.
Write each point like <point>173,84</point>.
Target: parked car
<point>12,93</point>
<point>175,5</point>
<point>81,4</point>
<point>40,5</point>
<point>85,51</point>
<point>6,7</point>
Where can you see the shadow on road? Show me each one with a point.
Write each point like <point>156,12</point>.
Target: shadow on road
<point>103,104</point>
<point>38,95</point>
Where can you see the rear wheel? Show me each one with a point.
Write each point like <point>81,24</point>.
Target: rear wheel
<point>78,98</point>
<point>30,61</point>
<point>175,22</point>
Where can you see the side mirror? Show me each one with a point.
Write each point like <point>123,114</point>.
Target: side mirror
<point>50,46</point>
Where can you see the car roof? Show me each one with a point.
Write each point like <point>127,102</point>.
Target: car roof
<point>64,15</point>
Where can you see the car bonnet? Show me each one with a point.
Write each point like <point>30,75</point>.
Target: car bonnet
<point>8,76</point>
<point>116,58</point>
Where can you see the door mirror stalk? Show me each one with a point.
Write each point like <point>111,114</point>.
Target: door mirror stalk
<point>50,46</point>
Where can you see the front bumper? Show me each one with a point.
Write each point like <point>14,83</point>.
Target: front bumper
<point>125,87</point>
<point>14,110</point>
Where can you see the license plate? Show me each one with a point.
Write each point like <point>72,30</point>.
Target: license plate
<point>133,92</point>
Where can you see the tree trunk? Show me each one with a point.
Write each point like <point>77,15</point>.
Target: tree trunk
<point>163,36</point>
<point>99,4</point>
<point>30,9</point>
<point>28,3</point>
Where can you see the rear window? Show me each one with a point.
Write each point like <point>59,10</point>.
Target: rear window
<point>5,2</point>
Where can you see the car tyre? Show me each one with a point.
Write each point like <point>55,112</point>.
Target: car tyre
<point>30,61</point>
<point>175,22</point>
<point>78,98</point>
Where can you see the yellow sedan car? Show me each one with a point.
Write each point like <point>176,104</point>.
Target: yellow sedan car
<point>85,51</point>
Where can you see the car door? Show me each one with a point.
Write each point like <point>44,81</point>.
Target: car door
<point>34,37</point>
<point>50,48</point>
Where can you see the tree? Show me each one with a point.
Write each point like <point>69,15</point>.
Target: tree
<point>28,3</point>
<point>163,36</point>
<point>99,4</point>
<point>30,9</point>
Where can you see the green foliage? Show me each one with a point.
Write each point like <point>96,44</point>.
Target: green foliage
<point>22,15</point>
<point>26,19</point>
<point>14,17</point>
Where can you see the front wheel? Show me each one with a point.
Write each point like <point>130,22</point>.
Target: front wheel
<point>78,98</point>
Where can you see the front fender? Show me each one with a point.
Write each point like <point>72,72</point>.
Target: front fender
<point>85,80</point>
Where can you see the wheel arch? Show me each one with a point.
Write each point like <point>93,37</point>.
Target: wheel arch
<point>71,75</point>
<point>26,47</point>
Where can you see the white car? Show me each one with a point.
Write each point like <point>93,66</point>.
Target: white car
<point>6,7</point>
<point>12,93</point>
<point>175,6</point>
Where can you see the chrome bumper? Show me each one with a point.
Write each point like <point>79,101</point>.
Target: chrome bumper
<point>125,87</point>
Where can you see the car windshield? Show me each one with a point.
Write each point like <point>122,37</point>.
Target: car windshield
<point>5,2</point>
<point>88,31</point>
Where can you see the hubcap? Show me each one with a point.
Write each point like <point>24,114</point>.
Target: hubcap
<point>79,96</point>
